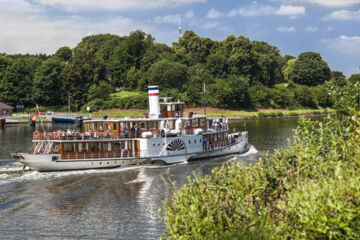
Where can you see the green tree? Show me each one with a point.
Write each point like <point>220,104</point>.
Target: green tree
<point>310,69</point>
<point>5,62</point>
<point>99,91</point>
<point>72,87</point>
<point>241,57</point>
<point>289,69</point>
<point>16,86</point>
<point>218,65</point>
<point>168,74</point>
<point>47,83</point>
<point>64,54</point>
<point>268,66</point>
<point>195,49</point>
<point>229,93</point>
<point>338,78</point>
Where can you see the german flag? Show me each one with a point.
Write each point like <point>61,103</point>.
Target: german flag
<point>35,116</point>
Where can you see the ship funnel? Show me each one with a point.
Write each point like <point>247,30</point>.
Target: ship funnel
<point>154,103</point>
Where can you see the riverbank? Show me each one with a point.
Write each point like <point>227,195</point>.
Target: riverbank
<point>211,112</point>
<point>217,112</point>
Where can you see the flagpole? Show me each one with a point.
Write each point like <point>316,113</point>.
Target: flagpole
<point>204,98</point>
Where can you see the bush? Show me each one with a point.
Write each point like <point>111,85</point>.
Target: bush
<point>304,96</point>
<point>262,115</point>
<point>309,191</point>
<point>132,101</point>
<point>280,114</point>
<point>260,96</point>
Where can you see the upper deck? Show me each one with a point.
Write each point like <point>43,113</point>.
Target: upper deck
<point>138,128</point>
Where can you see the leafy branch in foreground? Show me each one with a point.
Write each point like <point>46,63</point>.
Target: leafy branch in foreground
<point>309,191</point>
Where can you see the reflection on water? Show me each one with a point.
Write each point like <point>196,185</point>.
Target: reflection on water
<point>119,203</point>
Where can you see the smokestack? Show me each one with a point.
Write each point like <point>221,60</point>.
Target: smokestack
<point>154,103</point>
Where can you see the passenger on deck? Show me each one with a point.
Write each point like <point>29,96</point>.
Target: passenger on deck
<point>138,132</point>
<point>126,132</point>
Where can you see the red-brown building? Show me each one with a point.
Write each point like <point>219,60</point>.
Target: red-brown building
<point>5,110</point>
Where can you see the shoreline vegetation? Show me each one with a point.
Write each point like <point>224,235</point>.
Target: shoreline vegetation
<point>309,191</point>
<point>107,71</point>
<point>231,114</point>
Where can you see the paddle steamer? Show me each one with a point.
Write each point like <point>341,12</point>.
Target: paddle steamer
<point>165,135</point>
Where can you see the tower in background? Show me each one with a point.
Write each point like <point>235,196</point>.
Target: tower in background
<point>180,29</point>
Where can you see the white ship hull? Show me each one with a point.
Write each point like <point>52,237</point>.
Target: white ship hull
<point>46,162</point>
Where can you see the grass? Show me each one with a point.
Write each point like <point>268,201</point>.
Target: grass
<point>125,94</point>
<point>216,112</point>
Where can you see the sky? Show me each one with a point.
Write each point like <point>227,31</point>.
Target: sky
<point>329,27</point>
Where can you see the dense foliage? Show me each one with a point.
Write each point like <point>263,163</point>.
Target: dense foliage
<point>309,191</point>
<point>237,72</point>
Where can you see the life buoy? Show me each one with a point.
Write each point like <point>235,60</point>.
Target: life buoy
<point>36,134</point>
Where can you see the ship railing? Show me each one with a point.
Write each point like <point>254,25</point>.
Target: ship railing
<point>100,155</point>
<point>213,145</point>
<point>75,135</point>
<point>218,128</point>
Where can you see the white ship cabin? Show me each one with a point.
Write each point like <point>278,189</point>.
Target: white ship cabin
<point>164,131</point>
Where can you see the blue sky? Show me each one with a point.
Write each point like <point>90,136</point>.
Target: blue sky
<point>330,27</point>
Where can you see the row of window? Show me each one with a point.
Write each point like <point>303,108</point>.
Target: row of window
<point>143,126</point>
<point>93,147</point>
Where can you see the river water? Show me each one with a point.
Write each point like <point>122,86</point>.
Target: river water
<point>119,203</point>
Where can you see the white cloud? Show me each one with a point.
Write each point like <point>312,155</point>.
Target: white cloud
<point>167,19</point>
<point>255,9</point>
<point>343,15</point>
<point>213,14</point>
<point>285,29</point>
<point>335,3</point>
<point>344,44</point>
<point>209,25</point>
<point>290,10</point>
<point>24,31</point>
<point>311,29</point>
<point>80,5</point>
<point>189,14</point>
<point>330,28</point>
<point>329,3</point>
<point>232,13</point>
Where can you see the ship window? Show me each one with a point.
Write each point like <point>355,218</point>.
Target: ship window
<point>114,126</point>
<point>195,141</point>
<point>195,123</point>
<point>88,127</point>
<point>143,125</point>
<point>170,124</point>
<point>83,147</point>
<point>95,147</point>
<point>107,146</point>
<point>101,126</point>
<point>189,141</point>
<point>117,146</point>
<point>153,144</point>
<point>152,125</point>
<point>69,147</point>
<point>94,126</point>
<point>202,122</point>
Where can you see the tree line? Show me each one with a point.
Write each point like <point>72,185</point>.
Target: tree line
<point>237,73</point>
